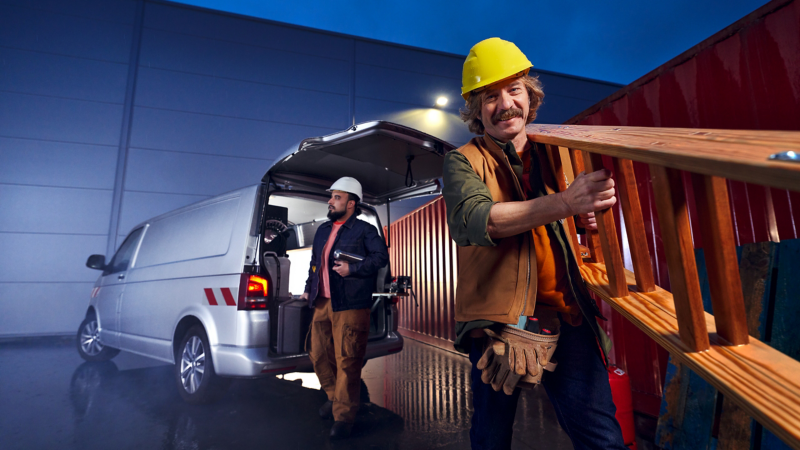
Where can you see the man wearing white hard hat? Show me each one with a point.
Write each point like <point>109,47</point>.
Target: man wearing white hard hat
<point>341,295</point>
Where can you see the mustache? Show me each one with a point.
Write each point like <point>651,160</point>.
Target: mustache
<point>507,114</point>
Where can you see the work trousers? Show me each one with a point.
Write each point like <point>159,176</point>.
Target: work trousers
<point>578,389</point>
<point>336,347</point>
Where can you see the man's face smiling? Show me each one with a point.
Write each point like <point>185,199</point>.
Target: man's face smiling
<point>337,205</point>
<point>505,109</point>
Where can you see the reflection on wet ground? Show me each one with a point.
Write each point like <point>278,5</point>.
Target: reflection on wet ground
<point>416,399</point>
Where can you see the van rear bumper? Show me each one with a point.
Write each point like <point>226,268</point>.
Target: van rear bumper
<point>235,361</point>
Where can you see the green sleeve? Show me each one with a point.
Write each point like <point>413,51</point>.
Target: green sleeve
<point>468,202</point>
<point>463,342</point>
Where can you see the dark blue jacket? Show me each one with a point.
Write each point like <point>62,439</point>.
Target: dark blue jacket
<point>355,290</point>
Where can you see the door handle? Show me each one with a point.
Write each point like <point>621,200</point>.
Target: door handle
<point>121,276</point>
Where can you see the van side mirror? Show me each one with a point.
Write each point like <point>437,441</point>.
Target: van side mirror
<point>96,262</point>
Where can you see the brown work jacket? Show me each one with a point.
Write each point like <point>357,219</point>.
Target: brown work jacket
<point>497,279</point>
<point>496,283</point>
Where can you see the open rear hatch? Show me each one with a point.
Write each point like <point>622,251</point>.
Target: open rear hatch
<point>392,162</point>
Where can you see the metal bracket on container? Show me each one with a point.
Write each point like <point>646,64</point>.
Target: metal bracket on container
<point>786,156</point>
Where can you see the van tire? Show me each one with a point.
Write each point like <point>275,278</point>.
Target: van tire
<point>194,369</point>
<point>89,346</point>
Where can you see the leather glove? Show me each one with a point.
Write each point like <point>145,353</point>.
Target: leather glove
<point>513,356</point>
<point>501,365</point>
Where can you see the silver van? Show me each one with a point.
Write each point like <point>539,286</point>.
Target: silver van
<point>213,287</point>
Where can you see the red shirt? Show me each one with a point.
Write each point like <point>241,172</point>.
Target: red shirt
<point>325,279</point>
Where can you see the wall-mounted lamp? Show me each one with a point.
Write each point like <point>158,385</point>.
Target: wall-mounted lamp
<point>441,101</point>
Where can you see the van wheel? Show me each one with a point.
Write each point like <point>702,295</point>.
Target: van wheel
<point>89,346</point>
<point>194,369</point>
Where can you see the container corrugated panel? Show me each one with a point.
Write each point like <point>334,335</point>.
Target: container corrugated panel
<point>747,76</point>
<point>420,246</point>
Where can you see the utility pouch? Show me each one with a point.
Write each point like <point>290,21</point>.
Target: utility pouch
<point>528,353</point>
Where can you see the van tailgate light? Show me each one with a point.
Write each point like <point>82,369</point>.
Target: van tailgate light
<point>253,292</point>
<point>257,286</point>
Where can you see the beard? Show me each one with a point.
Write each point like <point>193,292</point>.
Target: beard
<point>334,215</point>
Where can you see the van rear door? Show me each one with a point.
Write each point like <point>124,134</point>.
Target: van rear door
<point>392,162</point>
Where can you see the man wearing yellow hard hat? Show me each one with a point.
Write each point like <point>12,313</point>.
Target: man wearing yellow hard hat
<point>523,312</point>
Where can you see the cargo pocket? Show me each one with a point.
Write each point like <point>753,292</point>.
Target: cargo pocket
<point>354,344</point>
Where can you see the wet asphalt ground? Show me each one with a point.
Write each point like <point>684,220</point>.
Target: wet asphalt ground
<point>416,399</point>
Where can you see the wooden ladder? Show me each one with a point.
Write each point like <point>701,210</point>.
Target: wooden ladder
<point>761,380</point>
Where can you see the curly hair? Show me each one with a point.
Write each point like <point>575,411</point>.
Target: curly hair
<point>471,113</point>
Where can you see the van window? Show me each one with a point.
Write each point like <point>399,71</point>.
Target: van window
<point>300,209</point>
<point>122,259</point>
<point>201,232</point>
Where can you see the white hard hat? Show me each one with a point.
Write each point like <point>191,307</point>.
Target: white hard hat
<point>347,184</point>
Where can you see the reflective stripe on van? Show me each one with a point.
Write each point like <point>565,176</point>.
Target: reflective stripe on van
<point>226,294</point>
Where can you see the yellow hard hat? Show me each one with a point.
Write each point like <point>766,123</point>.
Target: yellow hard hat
<point>490,61</point>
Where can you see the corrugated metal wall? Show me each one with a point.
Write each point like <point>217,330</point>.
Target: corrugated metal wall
<point>744,77</point>
<point>420,246</point>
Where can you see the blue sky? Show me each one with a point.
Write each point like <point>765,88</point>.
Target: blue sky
<point>616,41</point>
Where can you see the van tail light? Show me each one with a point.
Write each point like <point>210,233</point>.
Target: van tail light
<point>257,286</point>
<point>253,292</point>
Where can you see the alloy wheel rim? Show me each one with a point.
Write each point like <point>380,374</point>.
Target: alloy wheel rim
<point>90,342</point>
<point>193,361</point>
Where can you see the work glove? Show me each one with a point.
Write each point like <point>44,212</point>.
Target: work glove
<point>509,359</point>
<point>499,366</point>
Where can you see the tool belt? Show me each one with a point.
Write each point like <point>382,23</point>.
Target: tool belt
<point>528,353</point>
